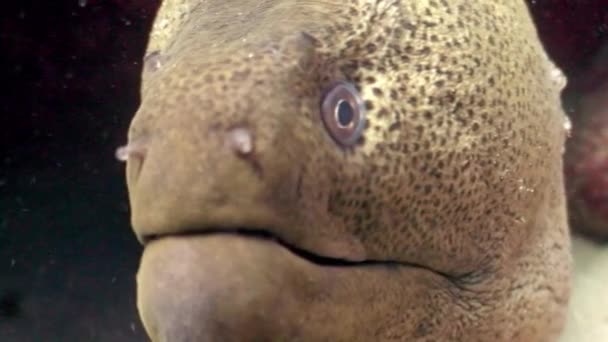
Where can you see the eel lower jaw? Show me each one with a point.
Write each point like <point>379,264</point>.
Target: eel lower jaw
<point>243,284</point>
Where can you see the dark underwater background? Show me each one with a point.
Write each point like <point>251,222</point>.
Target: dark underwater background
<point>69,77</point>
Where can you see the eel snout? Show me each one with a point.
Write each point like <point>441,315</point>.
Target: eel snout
<point>214,288</point>
<point>229,287</point>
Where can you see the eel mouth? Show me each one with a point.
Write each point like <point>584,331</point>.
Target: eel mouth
<point>309,255</point>
<point>266,235</point>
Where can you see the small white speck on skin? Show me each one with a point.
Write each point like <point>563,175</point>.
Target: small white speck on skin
<point>556,75</point>
<point>523,186</point>
<point>156,64</point>
<point>241,140</point>
<point>567,126</point>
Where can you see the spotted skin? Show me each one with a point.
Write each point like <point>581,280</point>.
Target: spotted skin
<point>445,222</point>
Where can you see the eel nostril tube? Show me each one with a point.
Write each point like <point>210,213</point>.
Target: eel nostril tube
<point>123,153</point>
<point>241,140</point>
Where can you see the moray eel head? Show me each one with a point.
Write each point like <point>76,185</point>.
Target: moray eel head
<point>348,171</point>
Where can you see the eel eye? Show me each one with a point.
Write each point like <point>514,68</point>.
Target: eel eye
<point>343,113</point>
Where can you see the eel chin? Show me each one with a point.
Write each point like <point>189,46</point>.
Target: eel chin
<point>235,287</point>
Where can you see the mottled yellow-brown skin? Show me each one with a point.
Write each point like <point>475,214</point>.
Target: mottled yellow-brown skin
<point>446,222</point>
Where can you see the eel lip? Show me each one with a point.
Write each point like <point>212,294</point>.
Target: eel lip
<point>338,251</point>
<point>322,259</point>
<point>312,256</point>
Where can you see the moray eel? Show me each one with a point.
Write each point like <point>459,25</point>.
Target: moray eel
<point>349,171</point>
